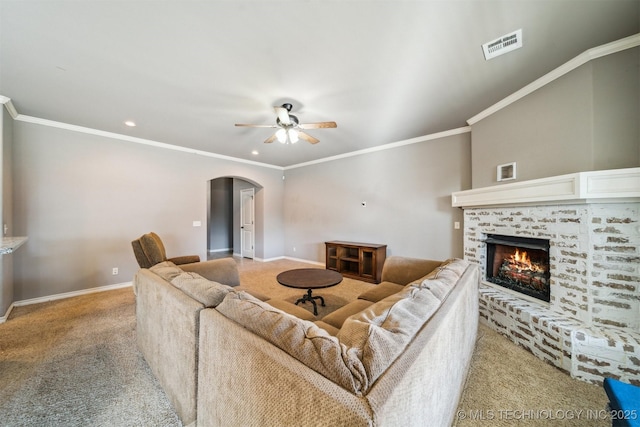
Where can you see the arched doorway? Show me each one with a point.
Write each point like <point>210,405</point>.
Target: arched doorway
<point>225,214</point>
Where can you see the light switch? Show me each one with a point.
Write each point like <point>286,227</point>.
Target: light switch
<point>197,223</point>
<point>456,225</point>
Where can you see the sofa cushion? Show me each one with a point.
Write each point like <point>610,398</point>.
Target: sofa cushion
<point>380,291</point>
<point>332,330</point>
<point>292,309</point>
<point>256,294</point>
<point>167,270</point>
<point>451,269</point>
<point>403,270</point>
<point>442,280</point>
<point>200,289</point>
<point>337,318</point>
<point>301,339</point>
<point>382,331</point>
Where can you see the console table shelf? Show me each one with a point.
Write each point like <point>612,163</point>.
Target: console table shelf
<point>362,261</point>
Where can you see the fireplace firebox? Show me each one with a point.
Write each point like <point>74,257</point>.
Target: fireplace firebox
<point>520,264</point>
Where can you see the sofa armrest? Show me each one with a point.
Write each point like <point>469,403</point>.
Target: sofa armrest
<point>224,270</point>
<point>403,270</point>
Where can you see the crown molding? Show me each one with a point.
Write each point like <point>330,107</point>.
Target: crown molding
<point>583,58</point>
<point>439,135</point>
<point>121,137</point>
<point>9,106</point>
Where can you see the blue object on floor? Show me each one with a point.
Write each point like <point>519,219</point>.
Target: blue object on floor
<point>624,401</point>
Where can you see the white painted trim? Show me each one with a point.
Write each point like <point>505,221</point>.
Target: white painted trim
<point>81,129</point>
<point>220,250</point>
<point>63,296</point>
<point>9,106</point>
<point>616,185</point>
<point>583,58</point>
<point>7,314</point>
<point>288,258</point>
<point>304,260</point>
<point>118,136</point>
<point>389,146</point>
<point>265,259</point>
<point>72,294</point>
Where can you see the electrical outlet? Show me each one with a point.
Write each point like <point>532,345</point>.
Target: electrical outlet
<point>114,271</point>
<point>456,225</point>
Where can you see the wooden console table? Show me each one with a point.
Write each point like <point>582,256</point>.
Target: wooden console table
<point>361,261</point>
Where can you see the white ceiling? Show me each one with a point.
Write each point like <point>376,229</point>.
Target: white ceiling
<point>186,72</point>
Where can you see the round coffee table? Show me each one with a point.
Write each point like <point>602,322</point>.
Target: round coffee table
<point>309,279</point>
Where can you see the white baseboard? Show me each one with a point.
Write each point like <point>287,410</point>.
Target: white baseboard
<point>63,296</point>
<point>6,316</point>
<point>285,257</point>
<point>211,251</point>
<point>304,260</point>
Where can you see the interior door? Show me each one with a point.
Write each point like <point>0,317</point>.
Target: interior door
<point>246,221</point>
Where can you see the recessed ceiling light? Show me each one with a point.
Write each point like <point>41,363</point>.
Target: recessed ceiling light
<point>255,152</point>
<point>130,123</point>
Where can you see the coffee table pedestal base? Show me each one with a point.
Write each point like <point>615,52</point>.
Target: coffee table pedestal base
<point>311,298</point>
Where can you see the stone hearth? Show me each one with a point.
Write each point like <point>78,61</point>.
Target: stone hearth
<point>591,326</point>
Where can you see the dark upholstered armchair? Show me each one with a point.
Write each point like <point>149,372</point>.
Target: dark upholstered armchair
<point>150,251</point>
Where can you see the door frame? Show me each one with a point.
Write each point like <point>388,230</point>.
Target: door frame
<point>247,227</point>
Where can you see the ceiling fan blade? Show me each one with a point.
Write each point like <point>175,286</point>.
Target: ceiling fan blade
<point>256,126</point>
<point>308,137</point>
<point>321,125</point>
<point>270,139</point>
<point>283,115</point>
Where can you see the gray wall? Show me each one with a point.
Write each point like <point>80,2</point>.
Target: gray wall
<point>408,195</point>
<point>616,110</point>
<point>586,120</point>
<point>81,199</point>
<point>221,214</point>
<point>6,266</point>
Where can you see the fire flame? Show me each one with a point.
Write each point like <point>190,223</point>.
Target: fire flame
<point>522,260</point>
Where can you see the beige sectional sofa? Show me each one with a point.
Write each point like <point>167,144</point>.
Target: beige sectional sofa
<point>398,355</point>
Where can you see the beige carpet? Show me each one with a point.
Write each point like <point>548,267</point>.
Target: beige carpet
<point>74,362</point>
<point>262,278</point>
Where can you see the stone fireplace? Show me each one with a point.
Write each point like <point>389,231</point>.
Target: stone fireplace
<point>590,326</point>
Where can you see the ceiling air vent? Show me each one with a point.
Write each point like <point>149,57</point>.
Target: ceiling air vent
<point>502,45</point>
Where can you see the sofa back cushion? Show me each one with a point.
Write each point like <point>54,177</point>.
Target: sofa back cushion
<point>403,270</point>
<point>301,339</point>
<point>381,332</point>
<point>443,278</point>
<point>167,270</point>
<point>207,292</point>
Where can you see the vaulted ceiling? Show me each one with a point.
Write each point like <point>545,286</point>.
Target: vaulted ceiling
<point>186,72</point>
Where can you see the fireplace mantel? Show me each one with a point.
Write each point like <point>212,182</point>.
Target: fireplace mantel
<point>616,185</point>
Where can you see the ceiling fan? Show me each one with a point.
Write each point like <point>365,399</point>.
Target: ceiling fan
<point>290,129</point>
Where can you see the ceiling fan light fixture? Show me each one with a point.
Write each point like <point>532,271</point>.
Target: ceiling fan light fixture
<point>290,130</point>
<point>293,135</point>
<point>281,134</point>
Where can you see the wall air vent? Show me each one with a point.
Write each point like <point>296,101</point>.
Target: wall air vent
<point>502,45</point>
